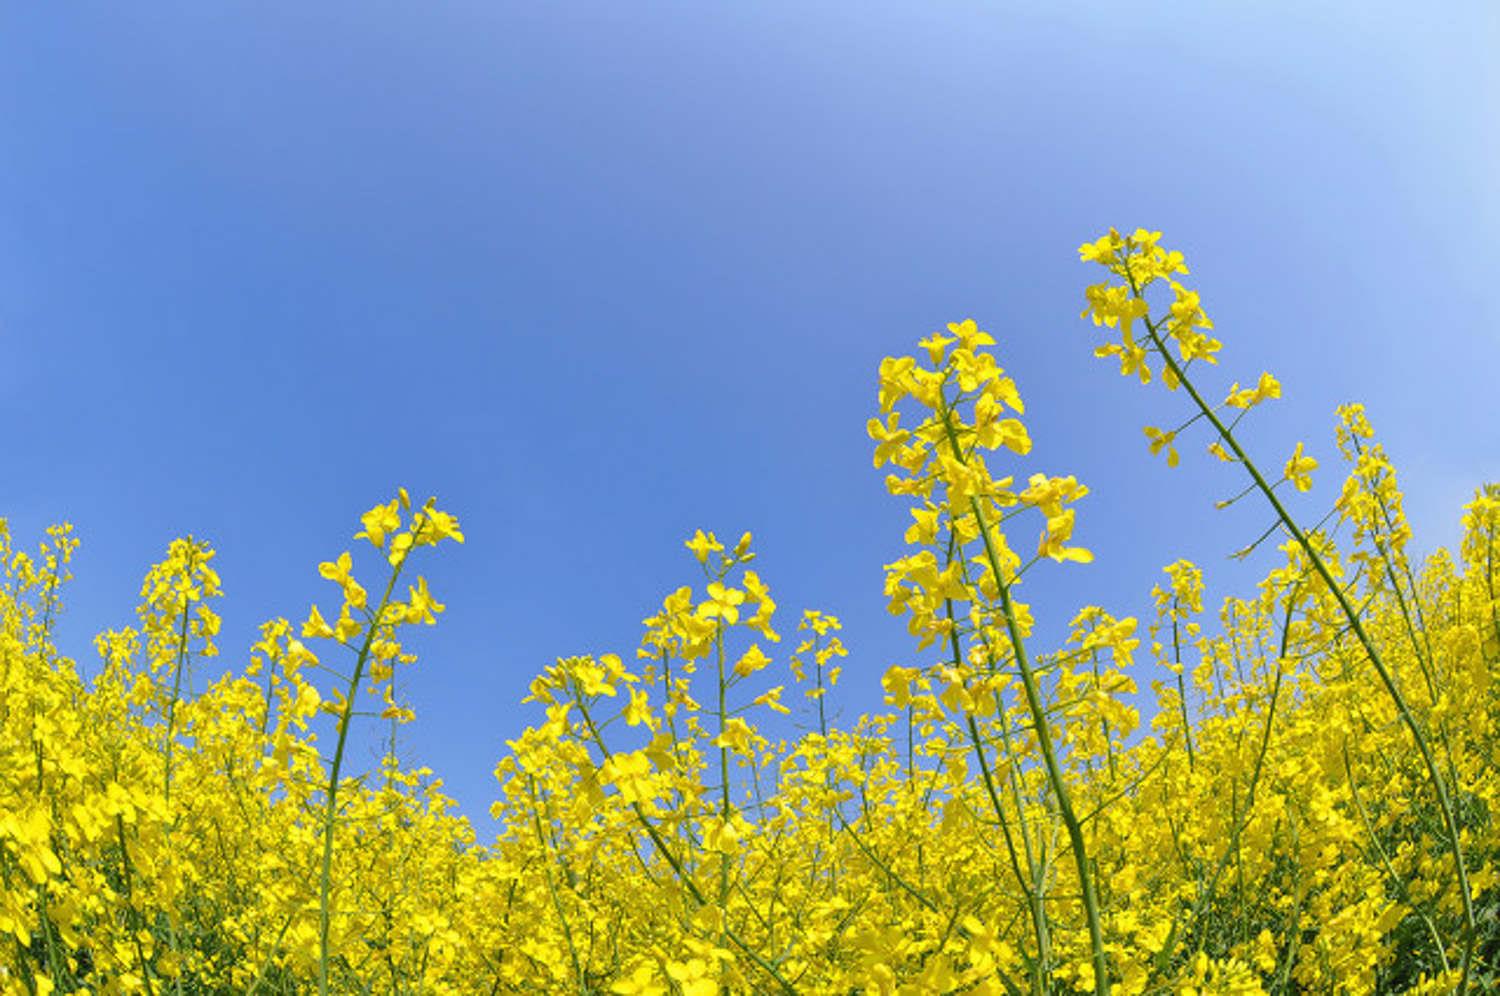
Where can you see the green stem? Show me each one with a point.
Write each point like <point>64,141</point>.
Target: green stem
<point>171,738</point>
<point>1035,900</point>
<point>1385,860</point>
<point>536,819</point>
<point>331,809</point>
<point>1387,679</point>
<point>725,808</point>
<point>1187,728</point>
<point>678,870</point>
<point>1043,734</point>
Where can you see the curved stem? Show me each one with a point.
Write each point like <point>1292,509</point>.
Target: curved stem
<point>1043,733</point>
<point>331,809</point>
<point>1387,679</point>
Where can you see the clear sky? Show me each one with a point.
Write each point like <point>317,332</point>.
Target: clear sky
<point>600,274</point>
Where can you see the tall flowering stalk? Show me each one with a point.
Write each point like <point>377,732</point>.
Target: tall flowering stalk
<point>371,635</point>
<point>1172,344</point>
<point>968,408</point>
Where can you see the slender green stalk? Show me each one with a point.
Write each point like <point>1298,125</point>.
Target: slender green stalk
<point>1104,730</point>
<point>170,736</point>
<point>541,838</point>
<point>1187,727</point>
<point>676,865</point>
<point>725,806</point>
<point>1038,713</point>
<point>1207,894</point>
<point>1387,679</point>
<point>1033,892</point>
<point>1489,580</point>
<point>890,874</point>
<point>270,958</point>
<point>134,918</point>
<point>330,813</point>
<point>1292,930</point>
<point>1035,901</point>
<point>170,742</point>
<point>1385,860</point>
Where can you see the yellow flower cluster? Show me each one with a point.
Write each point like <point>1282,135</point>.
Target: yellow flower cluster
<point>1312,804</point>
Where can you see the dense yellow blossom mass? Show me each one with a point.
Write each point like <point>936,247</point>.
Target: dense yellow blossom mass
<point>1312,806</point>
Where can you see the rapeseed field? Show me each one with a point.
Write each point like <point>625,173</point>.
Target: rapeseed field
<point>1294,791</point>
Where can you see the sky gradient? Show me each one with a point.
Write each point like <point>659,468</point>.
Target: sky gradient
<point>598,275</point>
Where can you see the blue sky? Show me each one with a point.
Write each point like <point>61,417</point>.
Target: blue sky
<point>600,274</point>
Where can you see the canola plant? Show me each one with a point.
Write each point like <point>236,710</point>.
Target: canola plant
<point>1310,808</point>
